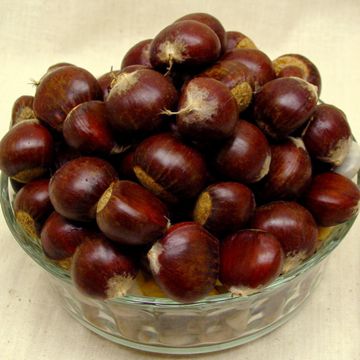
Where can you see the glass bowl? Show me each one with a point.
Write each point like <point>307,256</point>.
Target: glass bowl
<point>164,326</point>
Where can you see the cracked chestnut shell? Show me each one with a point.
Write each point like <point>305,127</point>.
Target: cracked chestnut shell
<point>292,225</point>
<point>332,199</point>
<point>170,169</point>
<point>185,262</point>
<point>250,260</point>
<point>130,214</point>
<point>77,186</point>
<point>100,270</point>
<point>283,105</point>
<point>26,151</point>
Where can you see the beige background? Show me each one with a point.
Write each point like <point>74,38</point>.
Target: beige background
<point>95,34</point>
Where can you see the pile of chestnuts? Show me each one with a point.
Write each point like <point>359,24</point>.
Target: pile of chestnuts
<point>199,166</point>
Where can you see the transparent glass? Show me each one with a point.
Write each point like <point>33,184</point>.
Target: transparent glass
<point>165,326</point>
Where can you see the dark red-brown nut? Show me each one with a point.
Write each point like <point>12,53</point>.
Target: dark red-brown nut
<point>185,262</point>
<point>332,199</point>
<point>237,40</point>
<point>62,154</point>
<point>137,99</point>
<point>212,22</point>
<point>22,109</point>
<point>224,208</point>
<point>78,185</point>
<point>60,238</point>
<point>131,215</point>
<point>184,43</point>
<point>139,54</point>
<point>207,111</point>
<point>246,156</point>
<point>236,77</point>
<point>328,135</point>
<point>292,225</point>
<point>101,271</point>
<point>250,260</point>
<point>32,206</point>
<point>299,66</point>
<point>26,151</point>
<point>283,105</point>
<point>86,129</point>
<point>58,65</point>
<point>290,171</point>
<point>170,169</point>
<point>125,166</point>
<point>60,90</point>
<point>258,63</point>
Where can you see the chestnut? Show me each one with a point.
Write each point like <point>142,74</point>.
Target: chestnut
<point>297,65</point>
<point>105,81</point>
<point>256,61</point>
<point>224,207</point>
<point>60,90</point>
<point>86,129</point>
<point>237,40</point>
<point>130,214</point>
<point>283,105</point>
<point>246,156</point>
<point>292,225</point>
<point>207,111</point>
<point>62,154</point>
<point>26,151</point>
<point>100,270</point>
<point>137,99</point>
<point>22,109</point>
<point>125,165</point>
<point>32,206</point>
<point>212,22</point>
<point>58,65</point>
<point>328,135</point>
<point>185,262</point>
<point>351,164</point>
<point>77,186</point>
<point>250,260</point>
<point>332,199</point>
<point>236,77</point>
<point>170,169</point>
<point>289,174</point>
<point>60,237</point>
<point>139,54</point>
<point>185,43</point>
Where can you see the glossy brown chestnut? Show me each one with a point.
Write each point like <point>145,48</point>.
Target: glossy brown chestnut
<point>137,99</point>
<point>212,22</point>
<point>125,165</point>
<point>332,199</point>
<point>60,237</point>
<point>32,206</point>
<point>100,271</point>
<point>250,260</point>
<point>60,90</point>
<point>207,111</point>
<point>328,135</point>
<point>87,129</point>
<point>170,169</point>
<point>62,154</point>
<point>246,156</point>
<point>184,43</point>
<point>139,54</point>
<point>185,262</point>
<point>237,40</point>
<point>26,151</point>
<point>58,65</point>
<point>236,77</point>
<point>224,208</point>
<point>283,105</point>
<point>22,109</point>
<point>297,65</point>
<point>258,63</point>
<point>130,214</point>
<point>290,171</point>
<point>292,225</point>
<point>78,185</point>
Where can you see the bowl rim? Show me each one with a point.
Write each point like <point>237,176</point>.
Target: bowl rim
<point>34,250</point>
